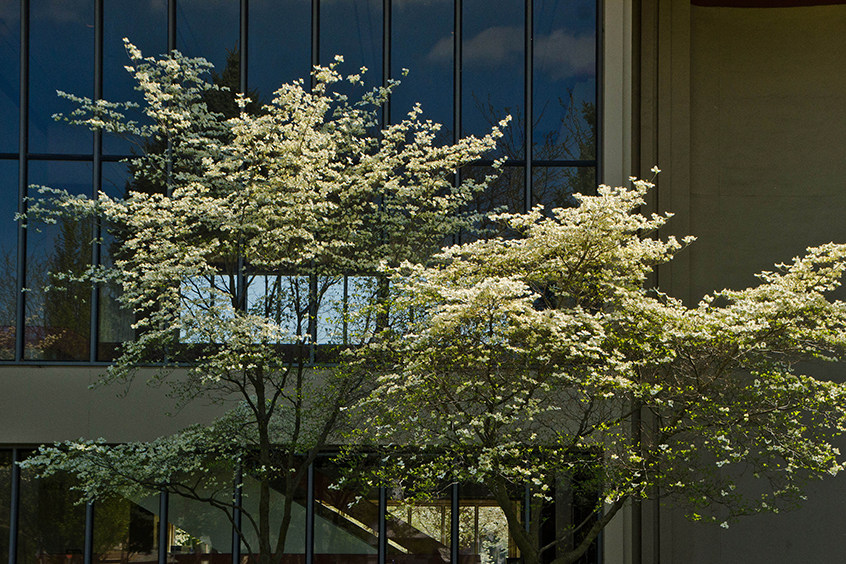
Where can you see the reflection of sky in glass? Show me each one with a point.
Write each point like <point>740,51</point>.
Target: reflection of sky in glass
<point>492,66</point>
<point>208,29</point>
<point>280,44</point>
<point>63,27</point>
<point>554,186</point>
<point>10,57</point>
<point>564,67</point>
<point>144,23</point>
<point>353,29</point>
<point>422,42</point>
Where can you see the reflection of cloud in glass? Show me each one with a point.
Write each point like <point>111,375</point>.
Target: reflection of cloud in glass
<point>560,54</point>
<point>491,47</point>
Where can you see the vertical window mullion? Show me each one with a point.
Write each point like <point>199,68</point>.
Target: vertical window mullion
<point>14,507</point>
<point>97,180</point>
<point>528,29</point>
<point>315,36</point>
<point>20,305</point>
<point>454,528</point>
<point>88,546</point>
<point>163,544</point>
<point>386,58</point>
<point>309,525</point>
<point>382,533</point>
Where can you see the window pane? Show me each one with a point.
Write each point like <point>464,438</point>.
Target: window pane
<point>492,67</point>
<point>10,76</point>
<point>8,257</point>
<point>66,28</point>
<point>565,80</point>
<point>58,321</point>
<point>341,317</point>
<point>505,192</point>
<point>353,29</point>
<point>115,323</point>
<point>208,29</point>
<point>52,525</point>
<point>197,531</point>
<point>211,29</point>
<point>420,531</point>
<point>144,23</point>
<point>5,501</point>
<point>422,42</point>
<point>295,533</point>
<point>346,523</point>
<point>554,186</point>
<point>126,531</point>
<point>279,46</point>
<point>482,527</point>
<point>282,299</point>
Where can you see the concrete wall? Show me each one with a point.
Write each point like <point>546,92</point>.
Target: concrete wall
<point>745,111</point>
<point>53,403</point>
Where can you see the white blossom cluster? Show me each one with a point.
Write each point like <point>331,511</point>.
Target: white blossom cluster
<point>540,355</point>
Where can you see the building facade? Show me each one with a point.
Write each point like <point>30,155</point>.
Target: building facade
<point>738,102</point>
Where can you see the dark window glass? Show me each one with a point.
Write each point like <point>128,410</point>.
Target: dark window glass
<point>279,46</point>
<point>115,322</point>
<point>564,104</point>
<point>198,532</point>
<point>208,29</point>
<point>554,186</point>
<point>353,29</point>
<point>505,193</point>
<point>8,256</point>
<point>61,58</point>
<point>422,36</point>
<point>346,520</point>
<point>145,25</point>
<point>126,531</point>
<point>482,527</point>
<point>420,531</point>
<point>492,68</point>
<point>295,534</point>
<point>58,321</point>
<point>52,524</point>
<point>5,501</point>
<point>10,78</point>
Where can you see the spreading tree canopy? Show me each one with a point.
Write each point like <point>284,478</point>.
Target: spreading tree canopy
<point>540,359</point>
<point>534,360</point>
<point>243,248</point>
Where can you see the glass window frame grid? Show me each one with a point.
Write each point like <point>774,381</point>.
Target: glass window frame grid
<point>454,501</point>
<point>97,156</point>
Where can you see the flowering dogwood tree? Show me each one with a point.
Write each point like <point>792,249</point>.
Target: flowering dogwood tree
<point>253,242</point>
<point>539,359</point>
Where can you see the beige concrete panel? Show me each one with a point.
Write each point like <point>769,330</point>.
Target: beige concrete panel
<point>617,89</point>
<point>811,534</point>
<point>768,115</point>
<point>739,236</point>
<point>53,403</point>
<point>673,141</point>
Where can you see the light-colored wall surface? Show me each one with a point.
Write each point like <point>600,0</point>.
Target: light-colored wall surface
<point>47,404</point>
<point>767,133</point>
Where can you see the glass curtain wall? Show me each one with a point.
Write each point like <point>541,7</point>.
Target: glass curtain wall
<point>469,63</point>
